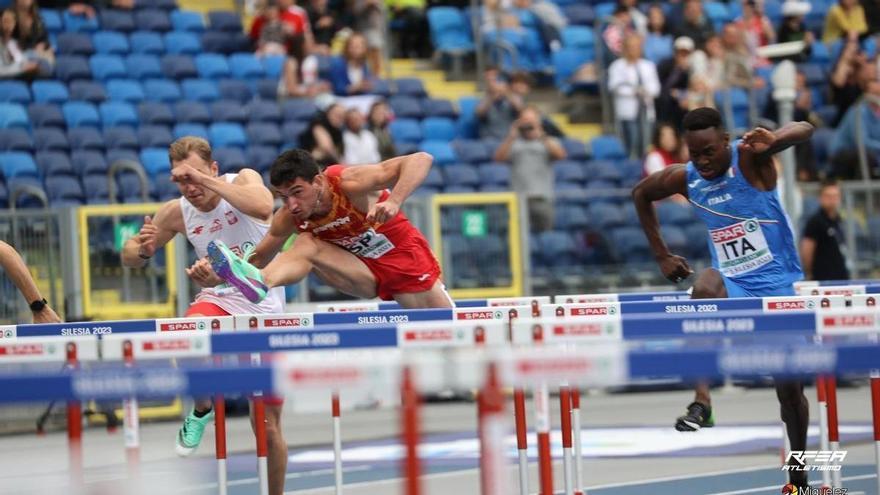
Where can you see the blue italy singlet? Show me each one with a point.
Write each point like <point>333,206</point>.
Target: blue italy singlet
<point>750,235</point>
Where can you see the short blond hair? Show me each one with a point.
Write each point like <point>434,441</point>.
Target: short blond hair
<point>182,147</point>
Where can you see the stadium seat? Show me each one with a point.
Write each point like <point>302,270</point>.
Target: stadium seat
<point>738,105</point>
<point>607,148</point>
<point>178,67</point>
<point>629,244</point>
<point>410,86</point>
<point>79,23</point>
<point>472,151</point>
<point>155,161</point>
<point>192,112</point>
<point>162,90</point>
<point>179,42</point>
<point>221,20</point>
<point>85,138</point>
<point>406,107</point>
<point>14,92</point>
<point>565,61</point>
<point>52,20</point>
<point>438,107</point>
<point>189,129</point>
<point>273,65</point>
<point>234,89</point>
<point>115,113</point>
<point>154,136</point>
<point>188,21</point>
<point>64,187</point>
<point>117,20</point>
<point>658,48</point>
<point>32,194</point>
<point>263,111</point>
<point>577,37</point>
<point>152,20</point>
<point>127,90</point>
<point>204,90</point>
<point>52,163</point>
<point>605,216</point>
<point>821,144</point>
<point>604,170</point>
<point>568,171</point>
<point>216,42</point>
<point>50,92</point>
<point>121,154</point>
<point>301,110</point>
<point>450,30</point>
<point>266,134</point>
<point>146,42</point>
<point>166,190</point>
<point>461,175</point>
<point>90,91</point>
<point>15,164</point>
<point>130,189</point>
<point>697,240</point>
<point>672,213</point>
<point>121,137</point>
<point>87,162</point>
<point>260,158</point>
<point>152,113</point>
<point>571,218</point>
<point>441,150</point>
<point>495,174</point>
<point>439,129</point>
<point>405,130</point>
<point>227,134</point>
<point>230,160</point>
<point>574,149</point>
<point>212,66</point>
<point>45,115</point>
<point>557,248</point>
<point>80,113</point>
<point>246,66</point>
<point>4,195</point>
<point>16,139</point>
<point>228,111</point>
<point>96,188</point>
<point>105,67</point>
<point>166,5</point>
<point>110,42</point>
<point>291,131</point>
<point>142,66</point>
<point>579,14</point>
<point>50,139</point>
<point>467,117</point>
<point>70,67</point>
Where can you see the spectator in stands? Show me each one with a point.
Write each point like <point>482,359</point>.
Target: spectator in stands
<point>13,63</point>
<point>274,32</point>
<point>823,245</point>
<point>666,149</point>
<point>844,144</point>
<point>32,37</point>
<point>694,24</point>
<point>299,78</point>
<point>349,73</point>
<point>619,29</point>
<point>377,121</point>
<point>872,15</point>
<point>657,24</point>
<point>551,20</point>
<point>368,21</point>
<point>324,25</point>
<point>497,15</point>
<point>707,74</point>
<point>294,17</point>
<point>755,24</point>
<point>639,20</point>
<point>793,28</point>
<point>414,30</point>
<point>737,59</point>
<point>845,19</point>
<point>361,145</point>
<point>850,76</point>
<point>674,75</point>
<point>323,138</point>
<point>531,152</point>
<point>85,8</point>
<point>498,108</point>
<point>633,82</point>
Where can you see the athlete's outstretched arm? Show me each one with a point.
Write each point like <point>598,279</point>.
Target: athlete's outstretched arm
<point>283,226</point>
<point>657,186</point>
<point>764,143</point>
<point>402,175</point>
<point>292,265</point>
<point>246,193</point>
<point>17,271</point>
<point>155,233</point>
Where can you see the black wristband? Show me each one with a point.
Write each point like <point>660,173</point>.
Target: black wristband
<point>143,256</point>
<point>38,305</point>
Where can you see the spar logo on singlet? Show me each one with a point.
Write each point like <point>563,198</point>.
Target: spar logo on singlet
<point>740,248</point>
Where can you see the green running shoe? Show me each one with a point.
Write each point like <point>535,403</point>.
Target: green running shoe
<point>237,272</point>
<point>698,416</point>
<point>190,434</point>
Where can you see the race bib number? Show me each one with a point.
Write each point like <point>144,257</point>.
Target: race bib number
<point>740,248</point>
<point>370,244</point>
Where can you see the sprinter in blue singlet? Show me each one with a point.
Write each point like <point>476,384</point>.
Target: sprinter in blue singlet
<point>732,187</point>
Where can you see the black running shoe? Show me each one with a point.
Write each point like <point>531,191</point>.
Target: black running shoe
<point>698,416</point>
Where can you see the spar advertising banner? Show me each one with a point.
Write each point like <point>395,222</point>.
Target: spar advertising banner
<point>201,323</point>
<point>561,330</point>
<point>452,334</point>
<point>852,321</point>
<point>348,307</point>
<point>164,345</point>
<point>288,321</point>
<point>47,349</point>
<point>831,290</point>
<point>622,297</point>
<point>864,300</point>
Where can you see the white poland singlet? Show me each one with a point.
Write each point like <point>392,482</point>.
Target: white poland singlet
<point>238,231</point>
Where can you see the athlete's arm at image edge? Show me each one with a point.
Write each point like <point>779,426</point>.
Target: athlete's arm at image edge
<point>17,271</point>
<point>790,135</point>
<point>655,187</point>
<point>403,175</point>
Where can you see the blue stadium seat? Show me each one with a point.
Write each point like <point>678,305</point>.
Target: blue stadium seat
<point>605,216</point>
<point>450,30</point>
<point>630,244</point>
<point>467,117</point>
<point>698,239</point>
<point>267,134</point>
<point>223,20</point>
<point>230,160</point>
<point>658,48</point>
<point>410,86</point>
<point>406,107</point>
<point>495,174</point>
<point>204,90</point>
<point>273,65</point>
<point>670,212</point>
<point>472,151</point>
<point>565,61</point>
<point>162,90</point>
<point>212,66</point>
<point>28,199</point>
<point>301,110</point>
<point>165,190</point>
<point>53,163</point>
<point>79,23</point>
<point>607,148</point>
<point>604,170</point>
<point>64,187</point>
<point>577,37</point>
<point>52,20</point>
<point>4,195</point>
<point>405,130</point>
<point>814,74</point>
<point>152,113</point>
<point>187,129</point>
<point>85,138</point>
<point>717,12</point>
<point>87,162</point>
<point>234,89</point>
<point>821,140</point>
<point>187,20</point>
<point>739,105</point>
<point>105,67</point>
<point>166,5</point>
<point>558,248</point>
<point>121,137</point>
<point>14,92</point>
<point>291,132</point>
<point>50,92</point>
<point>117,20</point>
<point>96,188</point>
<point>50,139</point>
<point>146,42</point>
<point>194,112</point>
<point>439,129</point>
<point>178,67</point>
<point>441,150</point>
<point>152,20</point>
<point>13,115</point>
<point>117,154</point>
<point>90,91</point>
<point>80,113</point>
<point>110,42</point>
<point>115,113</point>
<point>70,67</point>
<point>142,66</point>
<point>225,134</point>
<point>155,161</point>
<point>438,107</point>
<point>246,66</point>
<point>461,175</point>
<point>568,171</point>
<point>574,149</point>
<point>75,44</point>
<point>15,164</point>
<point>260,158</point>
<point>16,140</point>
<point>178,42</point>
<point>571,218</point>
<point>216,42</point>
<point>579,14</point>
<point>130,188</point>
<point>154,136</point>
<point>45,115</point>
<point>263,111</point>
<point>228,111</point>
<point>127,90</point>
